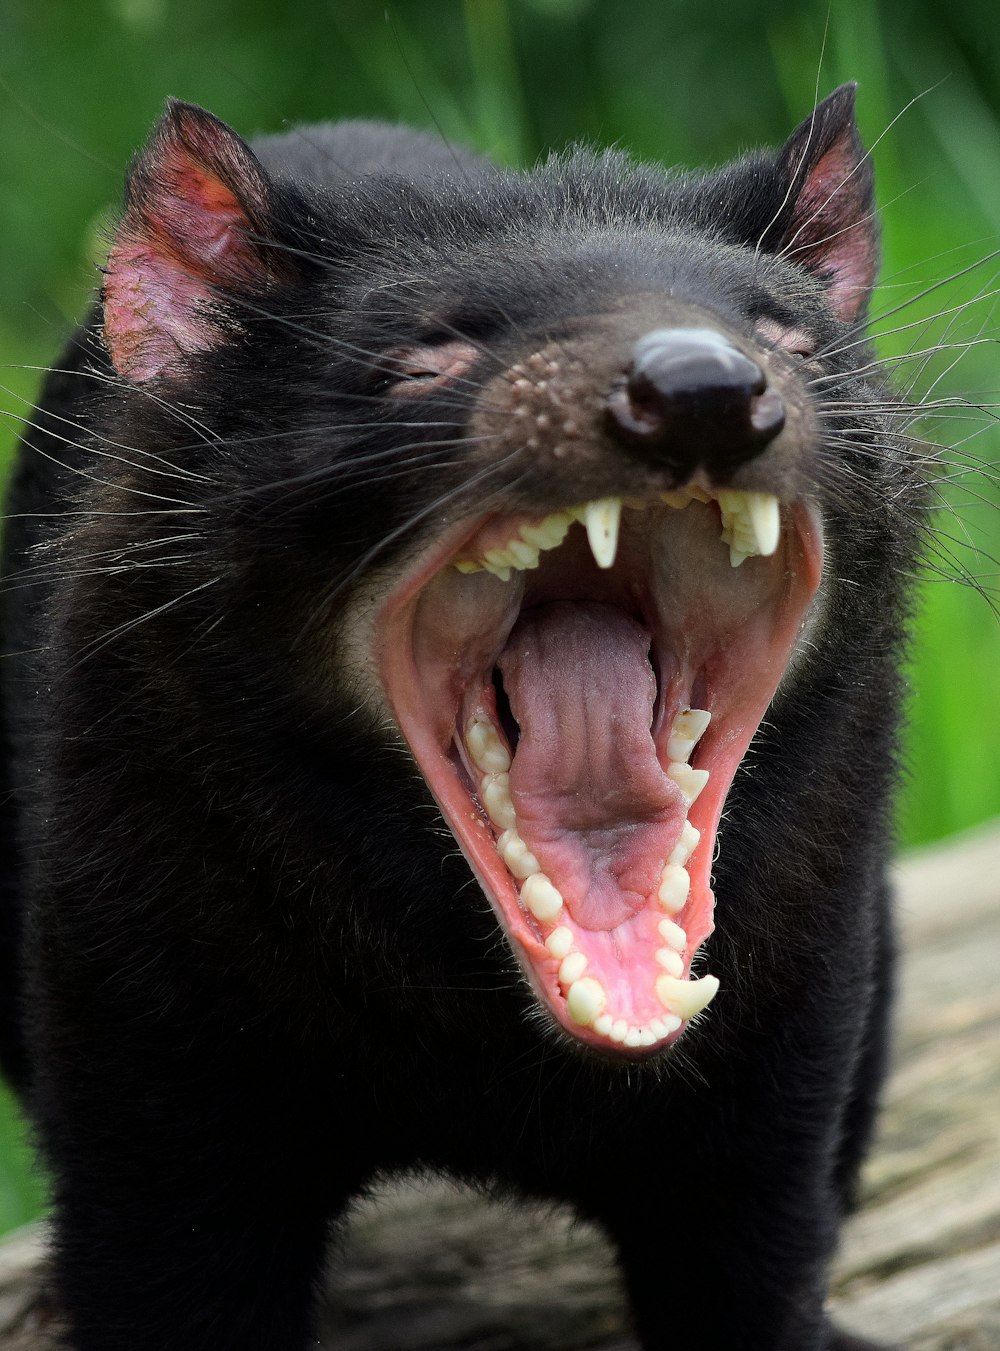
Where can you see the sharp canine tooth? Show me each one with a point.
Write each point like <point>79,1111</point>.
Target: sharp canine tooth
<point>688,728</point>
<point>497,801</point>
<point>686,845</point>
<point>764,516</point>
<point>689,781</point>
<point>672,934</point>
<point>674,887</point>
<point>485,747</point>
<point>671,961</point>
<point>685,998</point>
<point>542,899</point>
<point>559,941</point>
<point>585,1000</point>
<point>601,520</point>
<point>572,967</point>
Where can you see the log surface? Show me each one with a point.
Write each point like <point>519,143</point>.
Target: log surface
<point>430,1268</point>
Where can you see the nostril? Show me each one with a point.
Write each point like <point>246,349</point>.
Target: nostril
<point>691,396</point>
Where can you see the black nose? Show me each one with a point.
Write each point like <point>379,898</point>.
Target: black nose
<point>691,399</point>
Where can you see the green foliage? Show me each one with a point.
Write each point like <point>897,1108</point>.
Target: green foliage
<point>80,83</point>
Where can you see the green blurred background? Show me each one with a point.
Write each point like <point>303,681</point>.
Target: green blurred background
<point>693,82</point>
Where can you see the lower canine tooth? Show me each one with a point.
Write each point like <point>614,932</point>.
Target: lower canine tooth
<point>601,520</point>
<point>685,998</point>
<point>542,899</point>
<point>585,1000</point>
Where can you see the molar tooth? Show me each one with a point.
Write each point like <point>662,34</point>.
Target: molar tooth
<point>548,533</point>
<point>675,884</point>
<point>488,752</point>
<point>671,961</point>
<point>685,998</point>
<point>678,498</point>
<point>688,728</point>
<point>467,565</point>
<point>559,940</point>
<point>601,519</point>
<point>542,898</point>
<point>672,934</point>
<point>572,967</point>
<point>686,845</point>
<point>517,856</point>
<point>497,801</point>
<point>585,1000</point>
<point>497,570</point>
<point>525,555</point>
<point>689,781</point>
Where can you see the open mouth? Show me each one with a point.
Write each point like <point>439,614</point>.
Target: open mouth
<point>578,691</point>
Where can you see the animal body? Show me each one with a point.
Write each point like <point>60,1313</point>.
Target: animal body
<point>451,630</point>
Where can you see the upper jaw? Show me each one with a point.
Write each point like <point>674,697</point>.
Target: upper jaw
<point>587,801</point>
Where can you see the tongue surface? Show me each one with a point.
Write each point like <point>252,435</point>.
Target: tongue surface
<point>592,801</point>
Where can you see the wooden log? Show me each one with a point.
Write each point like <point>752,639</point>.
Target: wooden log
<point>427,1267</point>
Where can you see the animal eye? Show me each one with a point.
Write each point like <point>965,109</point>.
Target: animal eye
<point>409,372</point>
<point>795,341</point>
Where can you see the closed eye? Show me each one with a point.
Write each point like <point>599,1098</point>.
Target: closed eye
<point>410,372</point>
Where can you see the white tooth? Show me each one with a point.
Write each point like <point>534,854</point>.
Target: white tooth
<point>559,940</point>
<point>517,856</point>
<point>497,571</point>
<point>633,1037</point>
<point>689,781</point>
<point>601,520</point>
<point>497,801</point>
<point>672,934</point>
<point>541,898</point>
<point>685,998</point>
<point>499,558</point>
<point>686,845</point>
<point>604,1024</point>
<point>670,1023</point>
<point>658,1028</point>
<point>485,747</point>
<point>572,967</point>
<point>675,884</point>
<point>585,1000</point>
<point>647,1037</point>
<point>736,556</point>
<point>765,520</point>
<point>671,961</point>
<point>467,565</point>
<point>686,731</point>
<point>619,1030</point>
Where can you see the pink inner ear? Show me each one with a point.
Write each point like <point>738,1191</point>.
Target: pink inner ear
<point>184,238</point>
<point>833,233</point>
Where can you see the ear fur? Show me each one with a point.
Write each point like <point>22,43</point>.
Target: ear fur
<point>197,217</point>
<point>829,226</point>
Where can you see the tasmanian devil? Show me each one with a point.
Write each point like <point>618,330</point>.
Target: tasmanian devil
<point>450,693</point>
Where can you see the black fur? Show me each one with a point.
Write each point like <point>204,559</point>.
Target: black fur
<point>257,973</point>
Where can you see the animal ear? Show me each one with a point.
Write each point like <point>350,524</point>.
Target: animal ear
<point>195,232</point>
<point>829,224</point>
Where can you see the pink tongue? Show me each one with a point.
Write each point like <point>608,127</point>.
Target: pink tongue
<point>592,801</point>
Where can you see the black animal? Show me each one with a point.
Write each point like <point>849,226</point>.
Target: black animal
<point>409,566</point>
